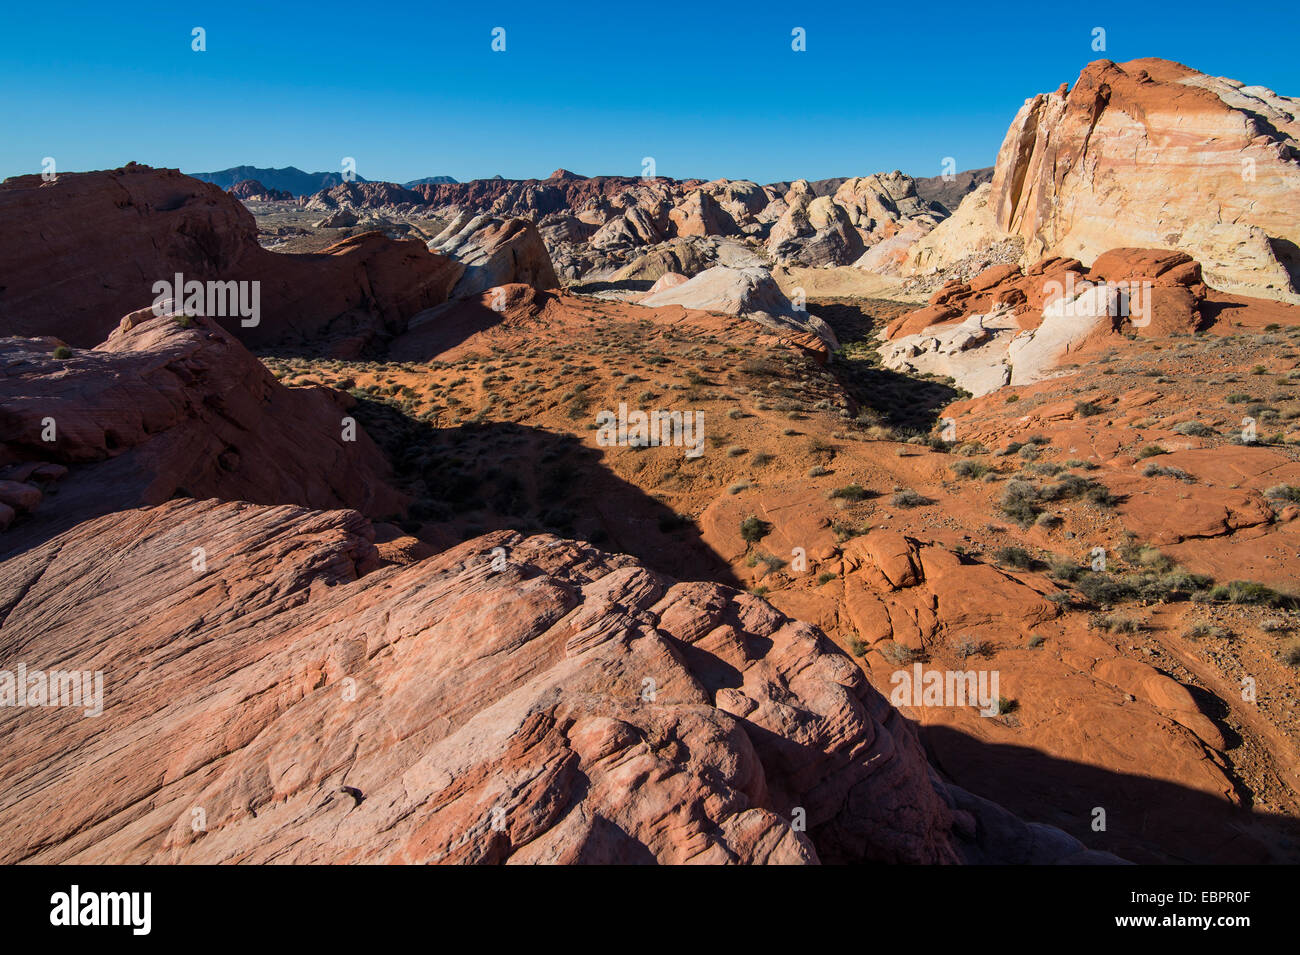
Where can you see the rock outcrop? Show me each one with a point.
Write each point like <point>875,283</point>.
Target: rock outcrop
<point>495,252</point>
<point>172,405</point>
<point>1151,153</point>
<point>1006,326</point>
<point>114,234</point>
<point>749,293</point>
<point>250,190</point>
<point>278,706</point>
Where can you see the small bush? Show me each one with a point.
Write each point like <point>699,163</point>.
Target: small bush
<point>850,492</point>
<point>1193,428</point>
<point>1020,502</point>
<point>1202,630</point>
<point>1015,557</point>
<point>825,577</point>
<point>1150,451</point>
<point>897,654</point>
<point>1291,653</point>
<point>908,498</point>
<point>1251,592</point>
<point>62,351</point>
<point>1283,492</point>
<point>753,530</point>
<point>1114,623</point>
<point>969,469</point>
<point>1155,470</point>
<point>1088,409</point>
<point>1036,640</point>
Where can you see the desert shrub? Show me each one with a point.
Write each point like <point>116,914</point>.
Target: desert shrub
<point>1202,630</point>
<point>1291,653</point>
<point>857,647</point>
<point>1101,496</point>
<point>1020,502</point>
<point>62,351</point>
<point>908,498</point>
<point>1101,590</point>
<point>897,654</point>
<point>1193,428</point>
<point>1016,557</point>
<point>1283,492</point>
<point>1007,705</point>
<point>736,451</point>
<point>850,492</point>
<point>1150,451</point>
<point>825,577</point>
<point>1251,592</point>
<point>1088,409</point>
<point>1036,640</point>
<point>970,469</point>
<point>966,648</point>
<point>738,487</point>
<point>753,530</point>
<point>1114,623</point>
<point>1048,521</point>
<point>1065,570</point>
<point>1156,470</point>
<point>1238,398</point>
<point>818,471</point>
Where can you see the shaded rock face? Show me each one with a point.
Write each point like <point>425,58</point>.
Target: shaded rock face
<point>278,707</point>
<point>251,189</point>
<point>115,234</point>
<point>1136,154</point>
<point>159,409</point>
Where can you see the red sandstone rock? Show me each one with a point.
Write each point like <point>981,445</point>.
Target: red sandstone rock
<point>116,233</point>
<point>279,706</point>
<point>160,409</point>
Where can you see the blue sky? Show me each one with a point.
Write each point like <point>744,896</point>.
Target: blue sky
<point>414,89</point>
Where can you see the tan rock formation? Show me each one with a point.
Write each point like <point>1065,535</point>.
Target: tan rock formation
<point>1153,154</point>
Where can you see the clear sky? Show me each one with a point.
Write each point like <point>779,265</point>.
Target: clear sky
<point>708,90</point>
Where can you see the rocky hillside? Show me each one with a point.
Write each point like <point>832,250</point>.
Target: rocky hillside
<point>606,227</point>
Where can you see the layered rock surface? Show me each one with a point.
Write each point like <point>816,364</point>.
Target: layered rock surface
<point>543,702</point>
<point>1151,153</point>
<point>162,408</point>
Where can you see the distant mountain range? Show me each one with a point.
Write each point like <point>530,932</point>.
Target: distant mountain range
<point>429,180</point>
<point>292,179</point>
